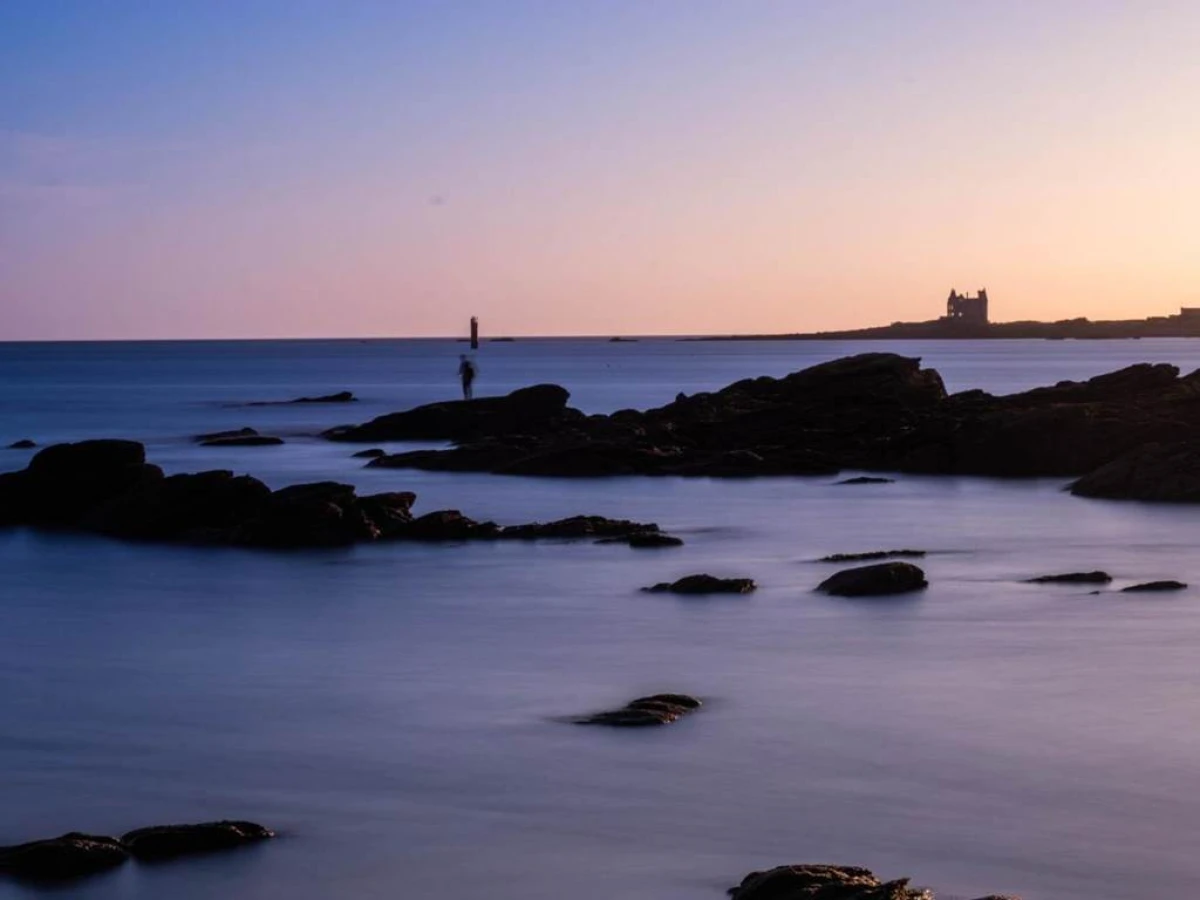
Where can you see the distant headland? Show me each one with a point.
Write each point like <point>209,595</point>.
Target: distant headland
<point>967,318</point>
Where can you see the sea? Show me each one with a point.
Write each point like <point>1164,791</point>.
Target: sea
<point>397,711</point>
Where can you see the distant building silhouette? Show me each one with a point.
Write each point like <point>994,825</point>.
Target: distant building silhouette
<point>967,310</point>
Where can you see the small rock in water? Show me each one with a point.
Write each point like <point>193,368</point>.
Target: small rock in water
<point>822,882</point>
<point>24,444</point>
<point>874,581</point>
<point>1154,586</point>
<point>165,841</point>
<point>704,584</point>
<point>874,554</point>
<point>1096,577</point>
<point>658,709</point>
<point>866,479</point>
<point>68,856</point>
<point>373,453</point>
<point>643,541</point>
<point>249,440</point>
<point>221,435</point>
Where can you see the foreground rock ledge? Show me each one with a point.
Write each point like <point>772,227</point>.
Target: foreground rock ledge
<point>824,882</point>
<point>871,412</point>
<point>107,487</point>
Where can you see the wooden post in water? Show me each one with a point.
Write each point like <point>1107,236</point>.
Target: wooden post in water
<point>474,333</point>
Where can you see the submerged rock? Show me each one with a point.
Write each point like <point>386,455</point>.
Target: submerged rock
<point>873,554</point>
<point>704,584</point>
<point>651,541</point>
<point>65,857</point>
<point>867,479</point>
<point>876,580</point>
<point>339,397</point>
<point>823,882</point>
<point>373,453</point>
<point>166,841</point>
<point>223,435</point>
<point>24,444</point>
<point>249,440</point>
<point>1096,577</point>
<point>658,709</point>
<point>1151,586</point>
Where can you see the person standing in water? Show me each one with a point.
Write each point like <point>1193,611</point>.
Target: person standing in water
<point>466,372</point>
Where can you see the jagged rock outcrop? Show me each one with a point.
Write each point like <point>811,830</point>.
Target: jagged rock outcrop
<point>875,581</point>
<point>107,487</point>
<point>530,410</point>
<point>874,411</point>
<point>657,709</point>
<point>703,584</point>
<point>809,881</point>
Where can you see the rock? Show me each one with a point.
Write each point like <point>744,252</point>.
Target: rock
<point>449,525</point>
<point>1072,578</point>
<point>822,882</point>
<point>373,453</point>
<point>223,435</point>
<point>250,440</point>
<point>704,584</point>
<point>69,856</point>
<point>24,444</point>
<point>322,514</point>
<point>876,580</point>
<point>867,479</point>
<point>873,554</point>
<point>614,530</point>
<point>653,540</point>
<point>658,709</point>
<point>539,408</point>
<point>1159,472</point>
<point>339,397</point>
<point>166,841</point>
<point>1150,586</point>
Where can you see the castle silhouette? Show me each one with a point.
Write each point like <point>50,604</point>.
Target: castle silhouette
<point>967,310</point>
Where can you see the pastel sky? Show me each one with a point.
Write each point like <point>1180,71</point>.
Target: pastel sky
<point>292,168</point>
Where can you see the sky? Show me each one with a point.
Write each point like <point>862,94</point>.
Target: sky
<point>310,168</point>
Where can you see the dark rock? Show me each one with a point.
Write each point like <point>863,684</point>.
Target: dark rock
<point>658,709</point>
<point>876,580</point>
<point>339,397</point>
<point>652,541</point>
<point>533,409</point>
<point>449,525</point>
<point>704,584</point>
<point>323,514</point>
<point>1072,578</point>
<point>873,554</point>
<point>24,444</point>
<point>223,435</point>
<point>867,479</point>
<point>583,527</point>
<point>66,857</point>
<point>166,841</point>
<point>1150,586</point>
<point>250,440</point>
<point>822,882</point>
<point>1160,472</point>
<point>373,453</point>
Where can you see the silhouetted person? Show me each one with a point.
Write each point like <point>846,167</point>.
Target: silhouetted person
<point>466,371</point>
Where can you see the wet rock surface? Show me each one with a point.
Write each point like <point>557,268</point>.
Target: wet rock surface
<point>1096,577</point>
<point>872,554</point>
<point>1154,586</point>
<point>167,841</point>
<point>874,581</point>
<point>68,856</point>
<point>810,881</point>
<point>703,584</point>
<point>657,709</point>
<point>874,411</point>
<point>107,487</point>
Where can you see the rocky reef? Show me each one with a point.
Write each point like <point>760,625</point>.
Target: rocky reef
<point>107,487</point>
<point>809,881</point>
<point>873,412</point>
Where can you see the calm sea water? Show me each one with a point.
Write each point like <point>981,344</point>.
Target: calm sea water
<point>392,709</point>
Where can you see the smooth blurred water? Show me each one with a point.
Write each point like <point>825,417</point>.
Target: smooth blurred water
<point>393,709</point>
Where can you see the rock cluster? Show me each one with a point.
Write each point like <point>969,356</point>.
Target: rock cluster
<point>658,709</point>
<point>874,411</point>
<point>875,581</point>
<point>824,882</point>
<point>74,855</point>
<point>107,487</point>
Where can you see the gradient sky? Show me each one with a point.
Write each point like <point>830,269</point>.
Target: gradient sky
<point>246,168</point>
